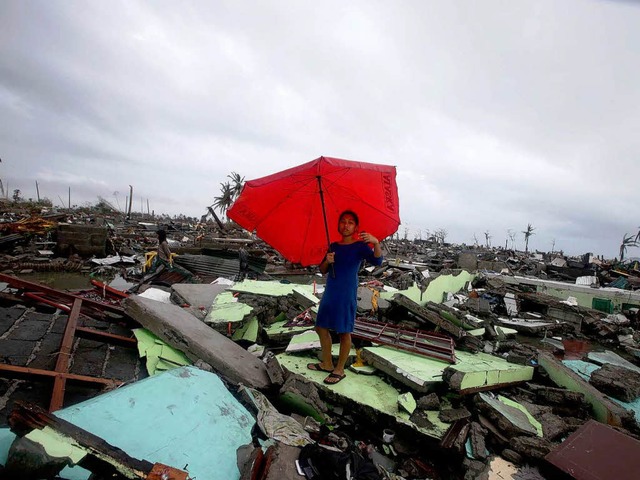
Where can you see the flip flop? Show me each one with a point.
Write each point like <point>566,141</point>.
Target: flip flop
<point>334,378</point>
<point>317,367</point>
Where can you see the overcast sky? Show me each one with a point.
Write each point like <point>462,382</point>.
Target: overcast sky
<point>496,113</point>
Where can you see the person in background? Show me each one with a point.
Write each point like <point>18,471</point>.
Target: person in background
<point>164,252</point>
<point>339,302</point>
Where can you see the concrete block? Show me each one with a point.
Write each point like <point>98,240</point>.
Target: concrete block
<point>197,340</point>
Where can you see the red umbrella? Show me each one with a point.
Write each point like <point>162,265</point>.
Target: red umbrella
<point>296,210</point>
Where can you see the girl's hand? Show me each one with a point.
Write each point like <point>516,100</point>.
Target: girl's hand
<point>368,238</point>
<point>331,257</point>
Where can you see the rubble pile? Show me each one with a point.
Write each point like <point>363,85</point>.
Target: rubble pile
<point>467,362</point>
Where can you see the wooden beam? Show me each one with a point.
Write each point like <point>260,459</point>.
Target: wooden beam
<point>28,373</point>
<point>111,338</point>
<point>64,356</point>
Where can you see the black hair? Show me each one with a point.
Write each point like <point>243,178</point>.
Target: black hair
<point>162,235</point>
<point>352,213</point>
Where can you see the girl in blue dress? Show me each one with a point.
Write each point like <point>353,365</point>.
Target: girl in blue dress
<point>339,302</point>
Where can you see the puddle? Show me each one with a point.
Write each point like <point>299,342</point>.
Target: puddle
<point>75,280</point>
<point>576,349</point>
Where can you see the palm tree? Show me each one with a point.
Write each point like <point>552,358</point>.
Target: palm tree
<point>237,182</point>
<point>224,201</point>
<point>527,233</point>
<point>628,240</point>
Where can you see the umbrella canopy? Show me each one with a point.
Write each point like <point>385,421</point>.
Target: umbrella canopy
<point>295,210</point>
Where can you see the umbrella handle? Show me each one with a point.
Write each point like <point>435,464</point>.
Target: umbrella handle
<point>332,270</point>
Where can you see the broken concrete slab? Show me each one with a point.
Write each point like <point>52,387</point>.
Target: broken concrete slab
<point>280,462</point>
<point>531,327</point>
<point>195,339</point>
<point>50,443</point>
<point>604,410</point>
<point>450,415</point>
<point>418,372</point>
<point>273,289</point>
<point>277,333</point>
<point>597,452</point>
<point>617,382</point>
<point>474,372</point>
<point>602,358</point>
<point>511,418</point>
<point>227,314</point>
<point>586,369</point>
<point>372,395</point>
<point>199,297</point>
<point>406,402</point>
<point>247,332</point>
<point>302,342</point>
<point>436,287</point>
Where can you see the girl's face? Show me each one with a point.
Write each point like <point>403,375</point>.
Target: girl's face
<point>347,225</point>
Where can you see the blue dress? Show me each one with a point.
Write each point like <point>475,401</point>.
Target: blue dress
<point>339,302</point>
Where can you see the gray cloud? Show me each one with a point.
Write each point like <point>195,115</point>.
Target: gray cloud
<point>496,113</point>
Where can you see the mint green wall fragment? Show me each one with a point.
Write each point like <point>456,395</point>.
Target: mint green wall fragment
<point>56,444</point>
<point>514,413</point>
<point>407,402</point>
<point>248,332</point>
<point>435,289</point>
<point>274,289</point>
<point>361,391</point>
<point>535,423</point>
<point>160,356</point>
<point>279,328</point>
<point>478,370</point>
<point>225,309</point>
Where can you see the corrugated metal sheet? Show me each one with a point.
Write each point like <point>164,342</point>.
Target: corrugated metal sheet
<point>209,266</point>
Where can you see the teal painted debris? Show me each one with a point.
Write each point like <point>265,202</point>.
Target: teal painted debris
<point>585,369</point>
<point>176,418</point>
<point>605,410</point>
<point>613,358</point>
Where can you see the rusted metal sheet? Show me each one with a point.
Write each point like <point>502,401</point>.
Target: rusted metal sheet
<point>598,452</point>
<point>416,341</point>
<point>56,297</point>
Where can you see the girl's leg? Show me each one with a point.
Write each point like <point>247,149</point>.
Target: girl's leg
<point>325,345</point>
<point>345,349</point>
